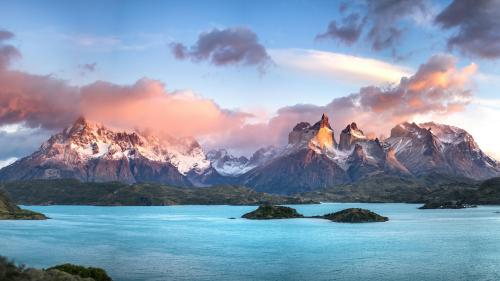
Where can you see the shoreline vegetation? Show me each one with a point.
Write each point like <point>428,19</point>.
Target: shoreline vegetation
<point>426,190</point>
<point>350,215</point>
<point>65,272</point>
<point>9,211</point>
<point>74,192</point>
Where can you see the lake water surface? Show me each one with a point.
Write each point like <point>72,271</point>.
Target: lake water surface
<point>201,243</point>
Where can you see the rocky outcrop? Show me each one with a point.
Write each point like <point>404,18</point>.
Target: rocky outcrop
<point>269,212</point>
<point>355,215</point>
<point>351,215</point>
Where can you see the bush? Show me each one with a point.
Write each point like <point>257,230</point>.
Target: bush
<point>95,273</point>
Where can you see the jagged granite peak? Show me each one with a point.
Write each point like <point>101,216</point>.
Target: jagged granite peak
<point>89,151</point>
<point>350,135</point>
<point>318,137</point>
<point>322,123</point>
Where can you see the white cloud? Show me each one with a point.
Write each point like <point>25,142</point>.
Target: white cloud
<point>340,66</point>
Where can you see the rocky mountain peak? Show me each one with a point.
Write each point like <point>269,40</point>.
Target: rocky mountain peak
<point>323,123</point>
<point>350,135</point>
<point>301,126</point>
<point>324,139</point>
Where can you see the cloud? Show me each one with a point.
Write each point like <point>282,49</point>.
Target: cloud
<point>438,88</point>
<point>45,103</point>
<point>36,100</point>
<point>476,24</point>
<point>7,51</point>
<point>42,101</point>
<point>87,68</point>
<point>221,47</point>
<point>49,104</point>
<point>341,66</point>
<point>348,32</point>
<point>480,121</point>
<point>147,105</point>
<point>383,20</point>
<point>386,16</point>
<point>21,142</point>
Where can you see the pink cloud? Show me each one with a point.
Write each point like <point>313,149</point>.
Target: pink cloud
<point>439,87</point>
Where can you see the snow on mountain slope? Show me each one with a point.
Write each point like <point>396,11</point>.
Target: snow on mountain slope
<point>229,165</point>
<point>91,152</point>
<point>431,147</point>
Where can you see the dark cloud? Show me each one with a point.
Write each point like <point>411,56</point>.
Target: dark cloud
<point>348,32</point>
<point>7,51</point>
<point>477,23</point>
<point>89,67</point>
<point>230,46</point>
<point>386,16</point>
<point>382,18</point>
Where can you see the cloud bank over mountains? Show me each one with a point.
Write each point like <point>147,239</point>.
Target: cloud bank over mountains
<point>439,87</point>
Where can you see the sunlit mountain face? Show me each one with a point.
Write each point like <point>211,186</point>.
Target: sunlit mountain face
<point>311,160</point>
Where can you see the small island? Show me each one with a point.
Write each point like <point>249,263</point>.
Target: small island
<point>269,212</point>
<point>454,204</point>
<point>355,215</point>
<point>351,215</point>
<point>9,211</point>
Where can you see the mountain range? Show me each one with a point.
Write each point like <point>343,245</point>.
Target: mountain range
<point>313,158</point>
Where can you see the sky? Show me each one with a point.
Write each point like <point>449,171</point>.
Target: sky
<point>241,74</point>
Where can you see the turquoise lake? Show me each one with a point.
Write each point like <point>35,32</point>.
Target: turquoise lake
<point>201,243</point>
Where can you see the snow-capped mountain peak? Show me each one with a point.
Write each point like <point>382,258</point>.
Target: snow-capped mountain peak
<point>90,151</point>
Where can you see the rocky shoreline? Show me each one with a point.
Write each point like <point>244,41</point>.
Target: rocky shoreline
<point>9,211</point>
<point>453,204</point>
